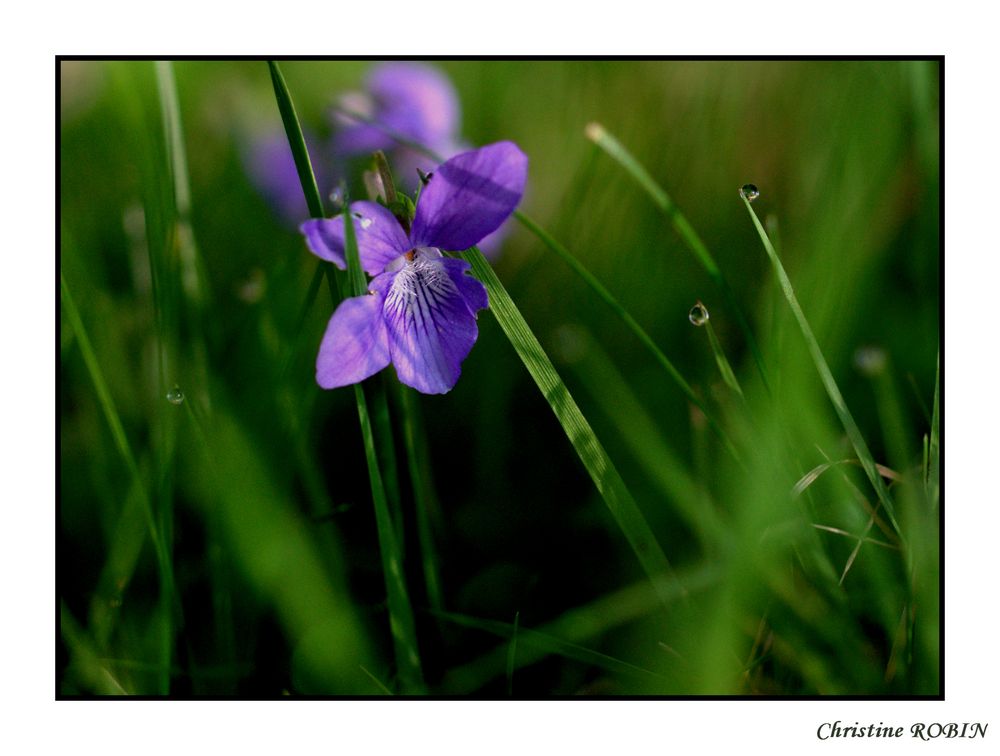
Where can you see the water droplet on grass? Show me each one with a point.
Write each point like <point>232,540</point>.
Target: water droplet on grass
<point>366,222</point>
<point>175,395</point>
<point>749,192</point>
<point>698,315</point>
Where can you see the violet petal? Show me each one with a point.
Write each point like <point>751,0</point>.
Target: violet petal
<point>355,344</point>
<point>470,288</point>
<point>430,324</point>
<point>380,237</point>
<point>469,196</point>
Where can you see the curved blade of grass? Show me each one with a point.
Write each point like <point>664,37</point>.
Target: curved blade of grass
<point>423,493</point>
<point>836,398</point>
<point>813,475</point>
<point>629,321</point>
<point>720,359</point>
<point>934,446</point>
<point>296,141</point>
<point>590,451</point>
<point>512,654</point>
<point>600,136</point>
<point>538,645</point>
<point>300,153</point>
<point>193,277</point>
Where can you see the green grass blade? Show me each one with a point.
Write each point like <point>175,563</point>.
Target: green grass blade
<point>193,279</point>
<point>600,136</point>
<point>588,448</point>
<point>934,446</point>
<point>832,390</point>
<point>378,683</point>
<point>537,645</point>
<point>296,141</point>
<point>385,437</point>
<point>512,654</point>
<point>725,369</point>
<point>423,493</point>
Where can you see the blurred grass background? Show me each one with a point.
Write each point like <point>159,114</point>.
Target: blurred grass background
<point>226,545</point>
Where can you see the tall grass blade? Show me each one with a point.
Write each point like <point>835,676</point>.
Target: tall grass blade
<point>590,451</point>
<point>725,369</point>
<point>934,445</point>
<point>512,654</point>
<point>600,136</point>
<point>836,398</point>
<point>296,140</point>
<point>192,276</point>
<point>423,494</point>
<point>539,644</point>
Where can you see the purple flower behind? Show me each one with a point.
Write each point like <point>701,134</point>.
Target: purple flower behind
<point>420,310</point>
<point>271,167</point>
<point>416,101</point>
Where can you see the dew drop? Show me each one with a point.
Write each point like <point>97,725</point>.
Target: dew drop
<point>175,395</point>
<point>698,315</point>
<point>749,192</point>
<point>366,222</point>
<point>337,199</point>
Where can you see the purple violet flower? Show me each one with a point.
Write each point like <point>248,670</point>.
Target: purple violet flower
<point>420,310</point>
<point>418,102</point>
<point>413,100</point>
